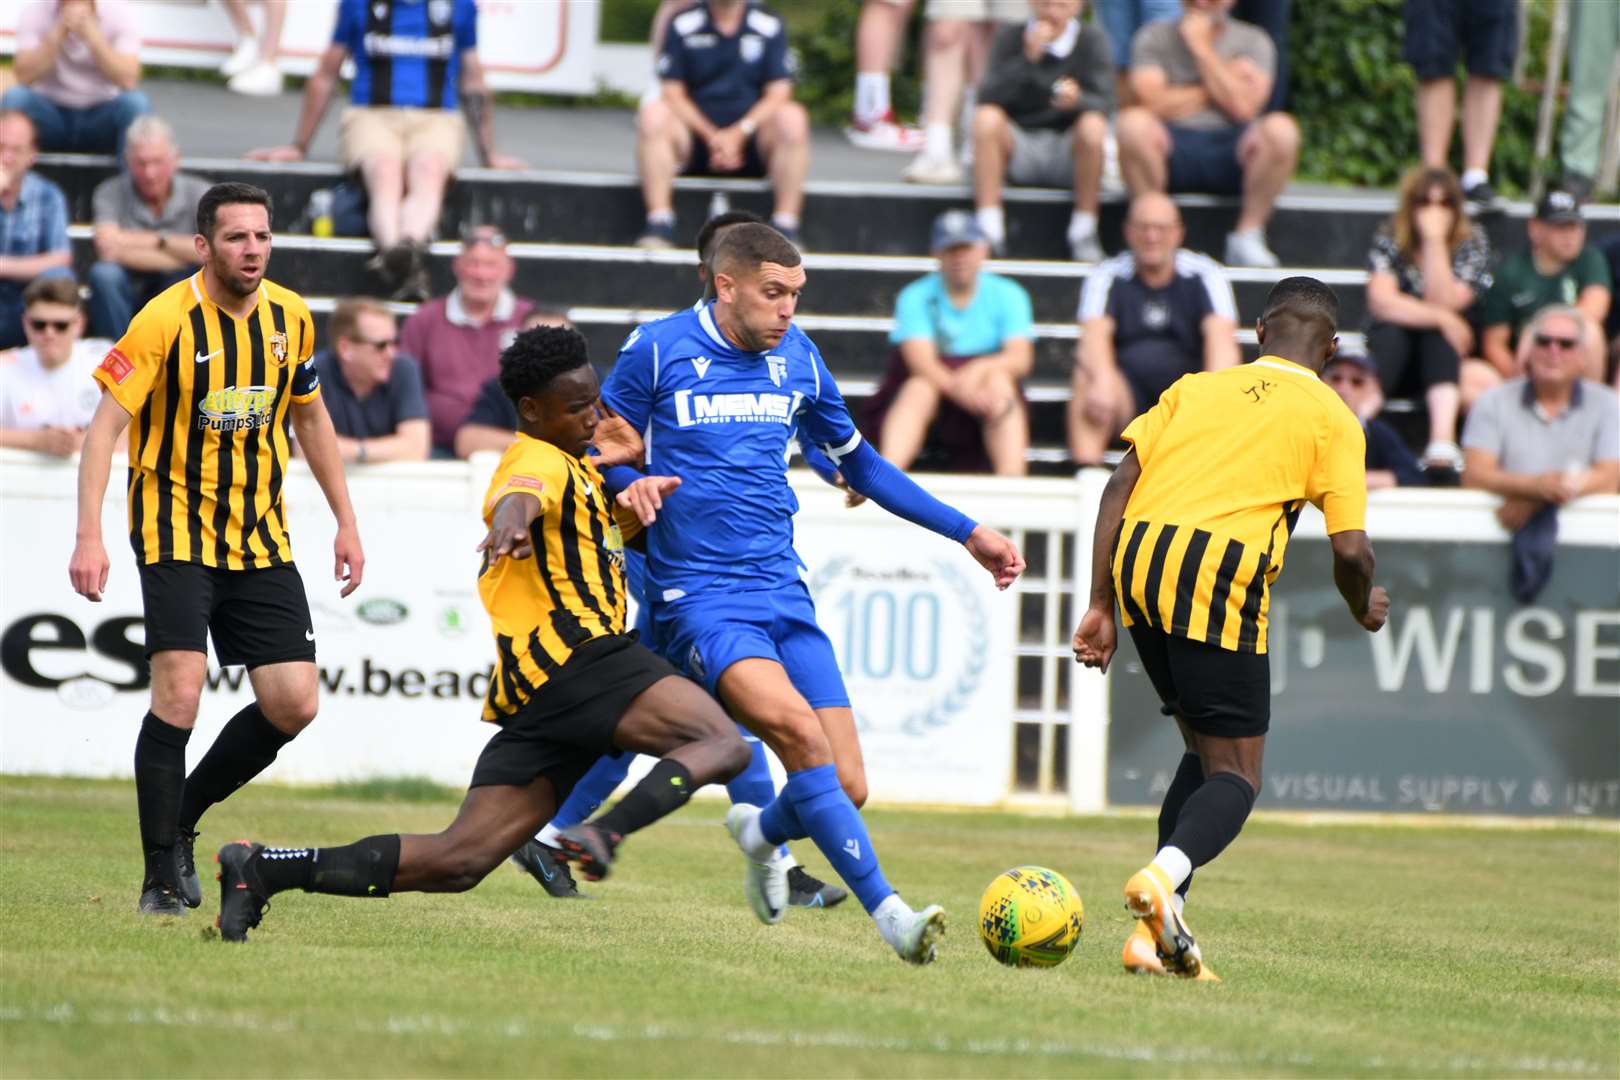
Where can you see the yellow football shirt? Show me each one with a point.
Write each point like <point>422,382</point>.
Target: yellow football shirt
<point>571,589</point>
<point>1229,458</point>
<point>208,397</point>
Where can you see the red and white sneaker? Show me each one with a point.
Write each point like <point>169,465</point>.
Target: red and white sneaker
<point>884,134</point>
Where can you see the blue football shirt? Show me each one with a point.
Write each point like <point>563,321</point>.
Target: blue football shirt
<point>407,53</point>
<point>720,419</point>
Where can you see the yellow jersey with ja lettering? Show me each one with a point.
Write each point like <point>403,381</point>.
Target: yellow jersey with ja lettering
<point>1229,459</point>
<point>570,590</point>
<point>208,396</point>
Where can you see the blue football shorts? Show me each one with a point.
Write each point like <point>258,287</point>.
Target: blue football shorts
<point>704,635</point>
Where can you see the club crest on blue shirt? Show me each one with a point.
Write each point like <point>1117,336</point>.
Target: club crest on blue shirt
<point>752,47</point>
<point>778,368</point>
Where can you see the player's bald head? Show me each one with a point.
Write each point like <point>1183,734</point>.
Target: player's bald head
<point>743,249</point>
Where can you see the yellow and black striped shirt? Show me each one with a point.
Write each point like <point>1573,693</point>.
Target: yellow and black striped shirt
<point>1229,459</point>
<point>208,396</point>
<point>571,590</point>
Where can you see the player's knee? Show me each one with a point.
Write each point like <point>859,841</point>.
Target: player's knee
<point>294,714</point>
<point>798,738</point>
<point>854,785</point>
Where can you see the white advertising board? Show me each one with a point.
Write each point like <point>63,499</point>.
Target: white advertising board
<point>922,633</point>
<point>538,45</point>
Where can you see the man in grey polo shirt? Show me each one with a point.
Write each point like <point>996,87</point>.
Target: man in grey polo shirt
<point>1542,440</point>
<point>145,219</point>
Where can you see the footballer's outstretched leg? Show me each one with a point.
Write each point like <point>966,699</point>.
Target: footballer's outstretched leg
<point>815,803</point>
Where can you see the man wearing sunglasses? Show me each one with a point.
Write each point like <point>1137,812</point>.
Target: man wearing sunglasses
<point>373,391</point>
<point>47,395</point>
<point>1549,436</point>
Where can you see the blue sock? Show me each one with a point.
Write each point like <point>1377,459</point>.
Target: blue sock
<point>754,786</point>
<point>779,821</point>
<point>832,821</point>
<point>593,789</point>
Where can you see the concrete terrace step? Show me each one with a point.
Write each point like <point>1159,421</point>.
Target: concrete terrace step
<point>840,216</point>
<point>581,274</point>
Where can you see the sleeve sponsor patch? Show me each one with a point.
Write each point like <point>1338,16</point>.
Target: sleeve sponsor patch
<point>117,366</point>
<point>524,482</point>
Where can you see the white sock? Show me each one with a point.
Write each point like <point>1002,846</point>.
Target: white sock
<point>993,220</point>
<point>785,859</point>
<point>1179,901</point>
<point>1470,177</point>
<point>887,915</point>
<point>1082,223</point>
<point>1175,864</point>
<point>937,141</point>
<point>871,96</point>
<point>785,221</point>
<point>548,835</point>
<point>752,841</point>
<point>660,217</point>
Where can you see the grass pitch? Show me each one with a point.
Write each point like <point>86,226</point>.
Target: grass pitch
<point>1346,950</point>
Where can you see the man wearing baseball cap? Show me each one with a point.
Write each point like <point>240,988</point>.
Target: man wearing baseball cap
<point>964,341</point>
<point>1390,462</point>
<point>1559,267</point>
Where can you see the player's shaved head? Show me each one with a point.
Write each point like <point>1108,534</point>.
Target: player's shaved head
<point>744,248</point>
<point>1300,322</point>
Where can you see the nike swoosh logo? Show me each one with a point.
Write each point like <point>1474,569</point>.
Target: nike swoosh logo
<point>201,359</point>
<point>588,488</point>
<point>544,872</point>
<point>309,635</point>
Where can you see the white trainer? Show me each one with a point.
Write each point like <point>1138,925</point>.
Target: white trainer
<point>1248,248</point>
<point>261,80</point>
<point>913,934</point>
<point>932,170</point>
<point>241,58</point>
<point>765,880</point>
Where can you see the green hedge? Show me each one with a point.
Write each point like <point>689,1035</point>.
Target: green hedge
<point>1349,87</point>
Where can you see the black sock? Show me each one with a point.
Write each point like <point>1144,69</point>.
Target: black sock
<point>363,868</point>
<point>1212,817</point>
<point>244,749</point>
<point>285,868</point>
<point>160,776</point>
<point>665,789</point>
<point>1188,779</point>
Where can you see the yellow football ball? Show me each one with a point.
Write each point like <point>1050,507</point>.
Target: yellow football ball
<point>1031,917</point>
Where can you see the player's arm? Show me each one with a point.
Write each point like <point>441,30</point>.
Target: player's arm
<point>88,567</point>
<point>508,534</point>
<point>869,474</point>
<point>1096,636</point>
<point>1353,574</point>
<point>316,437</point>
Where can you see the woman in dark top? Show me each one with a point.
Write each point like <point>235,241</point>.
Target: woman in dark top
<point>1426,268</point>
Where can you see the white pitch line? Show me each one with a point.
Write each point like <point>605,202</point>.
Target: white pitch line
<point>521,1029</point>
